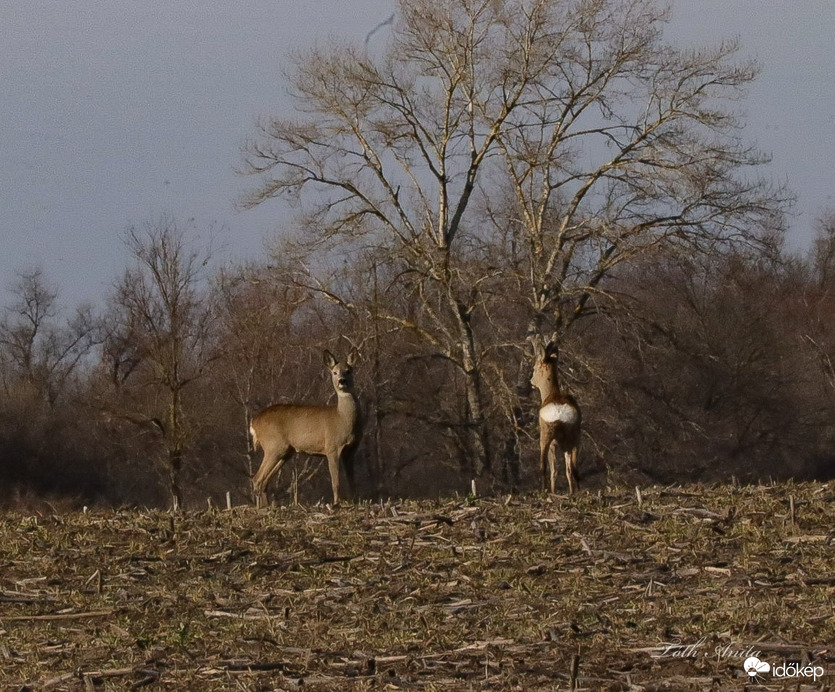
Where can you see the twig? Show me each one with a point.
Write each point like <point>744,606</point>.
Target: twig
<point>233,665</point>
<point>59,616</point>
<point>572,678</point>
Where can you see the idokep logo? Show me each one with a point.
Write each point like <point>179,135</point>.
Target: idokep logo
<point>755,667</point>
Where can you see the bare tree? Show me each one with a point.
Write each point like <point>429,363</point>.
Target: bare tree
<point>40,350</point>
<point>609,141</point>
<point>163,306</point>
<point>623,146</point>
<point>816,333</point>
<point>405,123</point>
<point>256,337</point>
<point>823,252</point>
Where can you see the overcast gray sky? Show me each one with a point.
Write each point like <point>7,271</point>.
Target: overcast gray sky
<point>115,112</point>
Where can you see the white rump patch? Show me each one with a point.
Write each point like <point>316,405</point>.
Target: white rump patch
<point>564,413</point>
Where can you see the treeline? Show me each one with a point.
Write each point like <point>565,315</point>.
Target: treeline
<point>502,168</point>
<point>697,370</point>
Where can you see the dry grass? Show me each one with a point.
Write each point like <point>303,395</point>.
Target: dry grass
<point>518,593</point>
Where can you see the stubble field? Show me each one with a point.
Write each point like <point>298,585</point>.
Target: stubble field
<point>666,589</point>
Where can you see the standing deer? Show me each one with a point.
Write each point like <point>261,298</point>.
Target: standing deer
<point>330,431</point>
<point>559,416</point>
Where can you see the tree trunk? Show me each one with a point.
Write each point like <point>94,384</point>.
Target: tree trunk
<point>476,424</point>
<point>175,448</point>
<point>175,461</point>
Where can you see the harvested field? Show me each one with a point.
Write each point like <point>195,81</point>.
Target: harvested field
<point>669,589</point>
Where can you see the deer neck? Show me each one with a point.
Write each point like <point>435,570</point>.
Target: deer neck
<point>347,406</point>
<point>550,388</point>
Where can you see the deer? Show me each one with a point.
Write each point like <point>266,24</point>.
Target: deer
<point>330,431</point>
<point>559,417</point>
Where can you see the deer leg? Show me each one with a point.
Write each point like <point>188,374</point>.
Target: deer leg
<point>552,468</point>
<point>258,482</point>
<point>348,463</point>
<point>571,470</point>
<point>333,467</point>
<point>270,466</point>
<point>543,463</point>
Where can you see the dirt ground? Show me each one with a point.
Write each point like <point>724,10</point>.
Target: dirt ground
<point>662,589</point>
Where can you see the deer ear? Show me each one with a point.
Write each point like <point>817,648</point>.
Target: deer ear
<point>330,361</point>
<point>352,358</point>
<point>551,348</point>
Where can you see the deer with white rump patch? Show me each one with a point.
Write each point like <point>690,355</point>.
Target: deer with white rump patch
<point>559,416</point>
<point>330,431</point>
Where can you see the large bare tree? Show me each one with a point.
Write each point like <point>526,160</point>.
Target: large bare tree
<point>622,146</point>
<point>553,139</point>
<point>161,304</point>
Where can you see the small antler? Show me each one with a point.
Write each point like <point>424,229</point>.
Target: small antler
<point>538,344</point>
